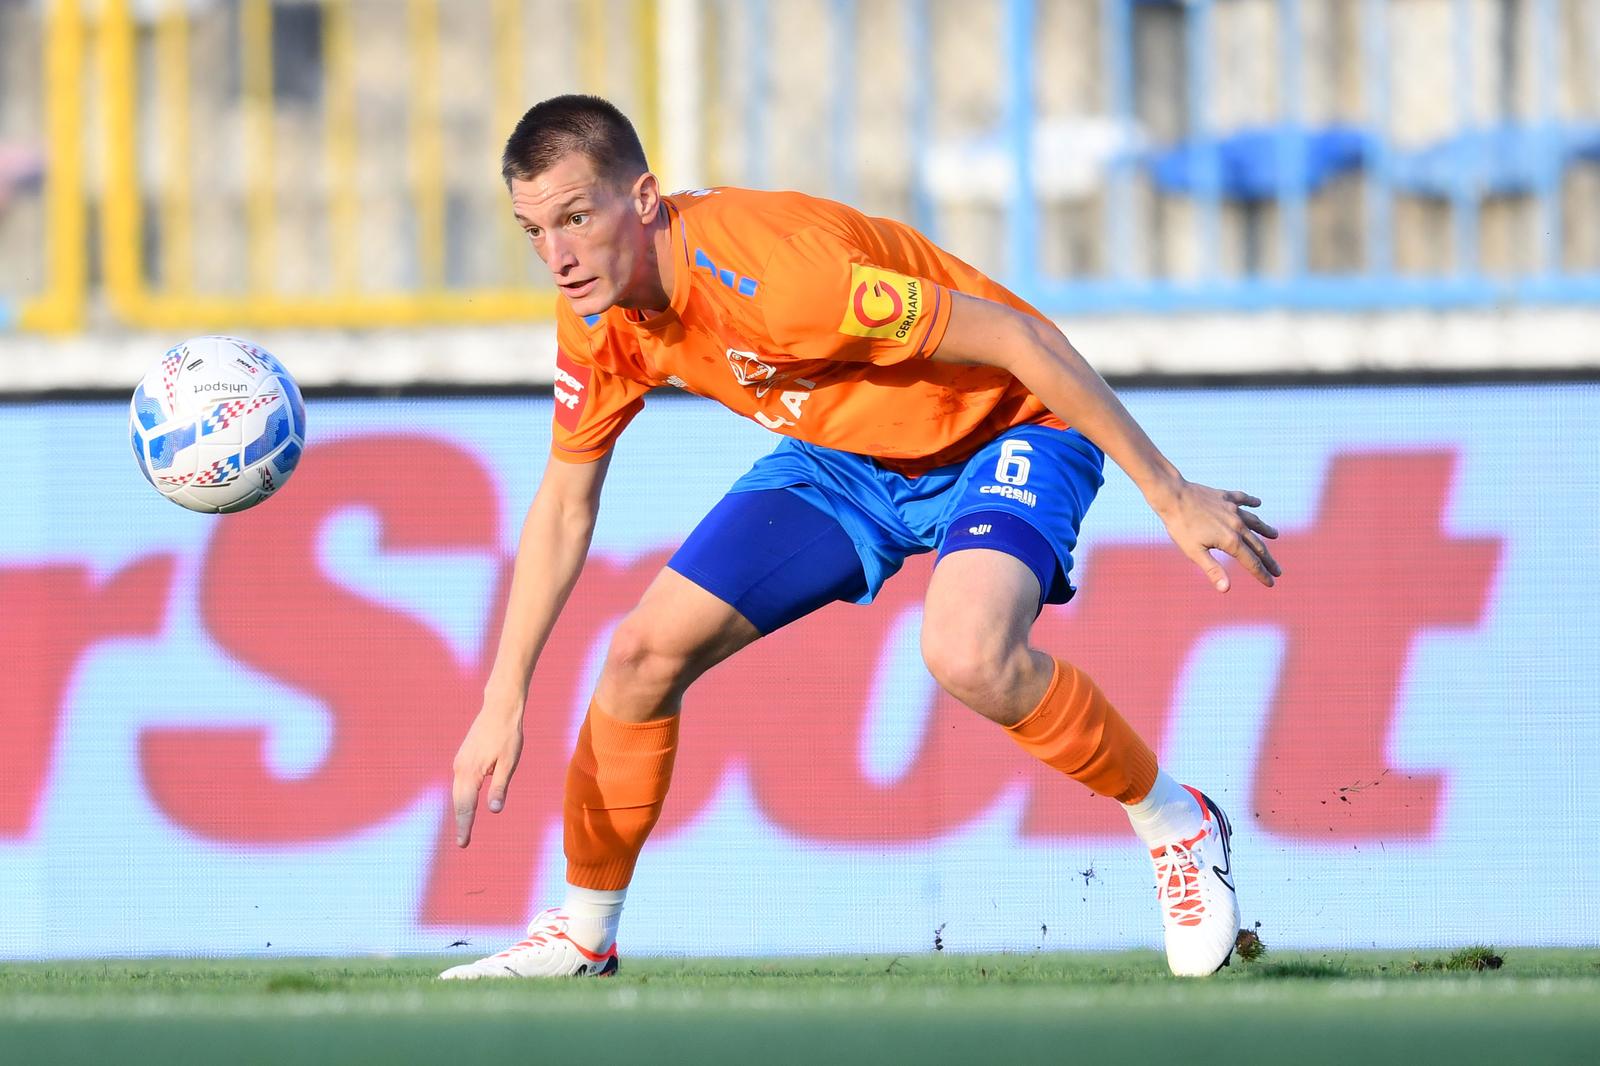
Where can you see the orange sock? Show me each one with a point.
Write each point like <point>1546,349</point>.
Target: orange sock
<point>616,782</point>
<point>1077,731</point>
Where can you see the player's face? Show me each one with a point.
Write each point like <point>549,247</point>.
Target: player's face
<point>592,235</point>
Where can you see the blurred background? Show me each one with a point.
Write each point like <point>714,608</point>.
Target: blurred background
<point>1342,253</point>
<point>1287,184</point>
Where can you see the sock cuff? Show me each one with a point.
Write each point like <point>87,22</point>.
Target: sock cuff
<point>1076,730</point>
<point>608,875</point>
<point>613,735</point>
<point>628,763</point>
<point>1142,770</point>
<point>1040,722</point>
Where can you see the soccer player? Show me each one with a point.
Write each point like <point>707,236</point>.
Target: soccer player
<point>922,407</point>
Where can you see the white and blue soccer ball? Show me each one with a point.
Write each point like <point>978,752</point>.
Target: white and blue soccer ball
<point>217,424</point>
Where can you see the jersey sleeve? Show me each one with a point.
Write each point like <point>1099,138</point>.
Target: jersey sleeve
<point>592,405</point>
<point>825,299</point>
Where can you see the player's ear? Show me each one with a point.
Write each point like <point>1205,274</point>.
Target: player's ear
<point>646,197</point>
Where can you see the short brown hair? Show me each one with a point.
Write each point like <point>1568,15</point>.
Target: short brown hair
<point>574,123</point>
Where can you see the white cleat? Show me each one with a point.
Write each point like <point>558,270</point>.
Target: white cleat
<point>1194,884</point>
<point>547,951</point>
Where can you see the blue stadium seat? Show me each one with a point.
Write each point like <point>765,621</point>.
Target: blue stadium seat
<point>1503,160</point>
<point>1248,161</point>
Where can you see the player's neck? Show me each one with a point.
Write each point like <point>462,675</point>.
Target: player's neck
<point>663,265</point>
<point>651,293</point>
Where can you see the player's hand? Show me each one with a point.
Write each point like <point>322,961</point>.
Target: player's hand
<point>1201,518</point>
<point>490,751</point>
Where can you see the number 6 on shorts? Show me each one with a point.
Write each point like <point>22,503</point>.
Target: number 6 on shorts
<point>1012,469</point>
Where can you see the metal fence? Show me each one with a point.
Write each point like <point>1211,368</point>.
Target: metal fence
<point>43,229</point>
<point>204,163</point>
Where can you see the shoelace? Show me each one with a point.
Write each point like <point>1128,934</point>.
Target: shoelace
<point>1178,883</point>
<point>544,929</point>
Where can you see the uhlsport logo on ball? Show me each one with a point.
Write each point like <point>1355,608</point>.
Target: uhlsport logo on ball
<point>217,424</point>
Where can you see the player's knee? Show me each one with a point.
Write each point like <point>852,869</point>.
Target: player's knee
<point>644,655</point>
<point>976,667</point>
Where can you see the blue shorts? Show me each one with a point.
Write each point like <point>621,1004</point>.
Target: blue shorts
<point>808,525</point>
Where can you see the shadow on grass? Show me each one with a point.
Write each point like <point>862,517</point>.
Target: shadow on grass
<point>1299,968</point>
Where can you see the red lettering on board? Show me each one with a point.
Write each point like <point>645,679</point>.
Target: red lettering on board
<point>398,700</point>
<point>1365,580</point>
<point>1368,576</point>
<point>1382,572</point>
<point>52,616</point>
<point>493,881</point>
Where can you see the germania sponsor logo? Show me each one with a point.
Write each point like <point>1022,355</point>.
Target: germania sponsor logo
<point>1010,492</point>
<point>880,297</point>
<point>882,303</point>
<point>221,386</point>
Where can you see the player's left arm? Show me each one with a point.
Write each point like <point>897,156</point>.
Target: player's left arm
<point>1036,353</point>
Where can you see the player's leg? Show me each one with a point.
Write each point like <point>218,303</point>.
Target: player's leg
<point>619,774</point>
<point>758,561</point>
<point>674,634</point>
<point>621,766</point>
<point>999,562</point>
<point>980,606</point>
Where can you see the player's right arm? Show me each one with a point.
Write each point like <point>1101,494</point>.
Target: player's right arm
<point>1198,517</point>
<point>597,392</point>
<point>550,555</point>
<point>891,317</point>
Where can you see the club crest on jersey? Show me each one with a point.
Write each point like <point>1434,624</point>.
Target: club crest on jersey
<point>881,304</point>
<point>750,370</point>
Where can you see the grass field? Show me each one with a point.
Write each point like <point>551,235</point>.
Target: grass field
<point>1300,1008</point>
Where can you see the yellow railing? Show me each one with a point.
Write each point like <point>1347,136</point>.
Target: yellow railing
<point>145,158</point>
<point>59,307</point>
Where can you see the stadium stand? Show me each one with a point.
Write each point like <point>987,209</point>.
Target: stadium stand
<point>330,164</point>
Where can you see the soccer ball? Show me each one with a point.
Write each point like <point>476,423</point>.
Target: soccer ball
<point>217,424</point>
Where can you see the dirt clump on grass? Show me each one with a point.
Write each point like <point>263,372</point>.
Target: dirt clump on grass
<point>1248,945</point>
<point>1475,959</point>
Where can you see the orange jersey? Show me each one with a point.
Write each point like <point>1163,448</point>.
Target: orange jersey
<point>805,315</point>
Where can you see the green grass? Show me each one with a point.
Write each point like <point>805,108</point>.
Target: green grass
<point>1294,1008</point>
